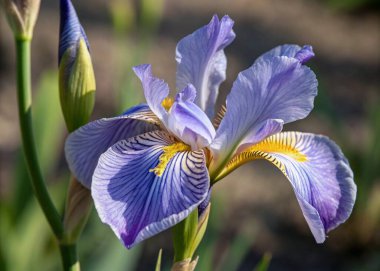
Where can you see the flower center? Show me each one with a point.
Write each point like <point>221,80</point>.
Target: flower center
<point>167,103</point>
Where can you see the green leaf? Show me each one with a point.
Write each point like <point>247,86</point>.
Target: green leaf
<point>151,13</point>
<point>183,237</point>
<point>238,249</point>
<point>123,15</point>
<point>29,244</point>
<point>209,245</point>
<point>201,228</point>
<point>158,263</point>
<point>264,262</point>
<point>103,251</point>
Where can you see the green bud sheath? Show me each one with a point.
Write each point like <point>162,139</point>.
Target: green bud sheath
<point>201,228</point>
<point>187,235</point>
<point>76,86</point>
<point>185,265</point>
<point>183,237</point>
<point>78,208</point>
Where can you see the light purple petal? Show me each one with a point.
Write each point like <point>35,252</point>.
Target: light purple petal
<point>201,61</point>
<point>303,54</point>
<point>274,88</point>
<point>135,202</point>
<point>188,122</point>
<point>260,132</point>
<point>84,146</point>
<point>155,90</point>
<point>320,175</point>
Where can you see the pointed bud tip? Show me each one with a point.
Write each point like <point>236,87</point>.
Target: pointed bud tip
<point>71,31</point>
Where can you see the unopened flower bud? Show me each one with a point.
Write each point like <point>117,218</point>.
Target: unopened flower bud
<point>22,16</point>
<point>76,75</point>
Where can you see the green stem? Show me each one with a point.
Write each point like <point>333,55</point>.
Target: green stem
<point>69,257</point>
<point>25,117</point>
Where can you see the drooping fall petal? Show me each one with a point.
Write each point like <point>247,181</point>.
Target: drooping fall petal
<point>136,201</point>
<point>318,172</point>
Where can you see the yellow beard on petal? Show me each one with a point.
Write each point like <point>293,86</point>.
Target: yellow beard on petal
<point>281,143</point>
<point>277,144</point>
<point>167,155</point>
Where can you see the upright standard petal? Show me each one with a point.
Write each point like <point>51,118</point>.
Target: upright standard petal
<point>155,90</point>
<point>187,121</point>
<point>135,201</point>
<point>84,146</point>
<point>318,171</point>
<point>273,91</point>
<point>201,61</point>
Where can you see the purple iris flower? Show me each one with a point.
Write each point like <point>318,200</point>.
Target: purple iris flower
<point>150,167</point>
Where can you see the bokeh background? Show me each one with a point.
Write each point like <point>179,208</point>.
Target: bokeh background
<point>256,223</point>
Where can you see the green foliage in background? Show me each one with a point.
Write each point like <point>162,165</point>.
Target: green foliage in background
<point>132,19</point>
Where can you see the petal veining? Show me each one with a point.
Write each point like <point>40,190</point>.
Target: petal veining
<point>84,146</point>
<point>137,203</point>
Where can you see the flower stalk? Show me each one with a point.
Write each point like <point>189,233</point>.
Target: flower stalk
<point>24,99</point>
<point>69,257</point>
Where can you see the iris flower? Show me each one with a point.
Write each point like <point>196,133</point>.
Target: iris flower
<point>150,167</point>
